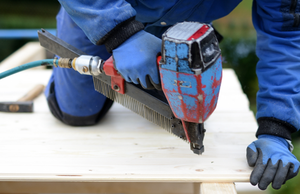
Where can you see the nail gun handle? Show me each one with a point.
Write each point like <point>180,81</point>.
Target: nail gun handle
<point>117,81</point>
<point>33,93</point>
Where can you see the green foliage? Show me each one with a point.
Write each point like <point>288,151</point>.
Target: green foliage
<point>239,54</point>
<point>238,24</point>
<point>235,28</point>
<point>29,14</point>
<point>18,14</point>
<point>26,22</point>
<point>8,46</point>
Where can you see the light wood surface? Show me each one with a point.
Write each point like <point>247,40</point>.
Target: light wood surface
<point>31,51</point>
<point>11,187</point>
<point>123,147</point>
<point>216,188</point>
<point>33,93</point>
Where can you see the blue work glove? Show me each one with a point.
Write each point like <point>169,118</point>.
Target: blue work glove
<point>272,161</point>
<point>135,59</point>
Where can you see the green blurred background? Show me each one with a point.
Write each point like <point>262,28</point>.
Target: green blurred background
<point>238,47</point>
<point>238,50</point>
<point>28,14</point>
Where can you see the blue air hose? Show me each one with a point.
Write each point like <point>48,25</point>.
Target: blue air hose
<point>27,66</point>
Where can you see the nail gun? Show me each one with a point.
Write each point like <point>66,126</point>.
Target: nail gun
<point>190,69</point>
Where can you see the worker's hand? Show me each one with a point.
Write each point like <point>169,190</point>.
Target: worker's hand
<point>272,161</point>
<point>135,59</point>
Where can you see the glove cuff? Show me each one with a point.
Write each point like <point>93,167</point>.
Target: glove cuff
<point>273,126</point>
<point>120,34</point>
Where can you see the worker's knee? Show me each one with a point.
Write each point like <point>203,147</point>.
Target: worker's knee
<point>81,120</point>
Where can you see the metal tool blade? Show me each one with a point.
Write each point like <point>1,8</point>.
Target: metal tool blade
<point>58,46</point>
<point>150,98</point>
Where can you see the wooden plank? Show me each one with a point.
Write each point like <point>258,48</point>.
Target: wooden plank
<point>228,101</point>
<point>123,147</point>
<point>247,188</point>
<point>96,187</point>
<point>196,188</point>
<point>40,154</point>
<point>111,187</point>
<point>235,99</point>
<point>31,51</point>
<point>217,188</point>
<point>230,80</point>
<point>52,151</point>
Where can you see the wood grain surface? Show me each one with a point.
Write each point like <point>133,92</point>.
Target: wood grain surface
<point>123,147</point>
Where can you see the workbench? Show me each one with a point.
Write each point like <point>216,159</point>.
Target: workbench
<point>124,153</point>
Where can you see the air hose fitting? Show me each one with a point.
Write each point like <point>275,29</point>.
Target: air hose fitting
<point>88,65</point>
<point>85,64</point>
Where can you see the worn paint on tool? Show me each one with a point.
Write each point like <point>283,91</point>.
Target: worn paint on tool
<point>190,82</point>
<point>211,82</point>
<point>176,57</point>
<point>192,97</point>
<point>183,66</point>
<point>199,32</point>
<point>182,51</point>
<point>170,49</point>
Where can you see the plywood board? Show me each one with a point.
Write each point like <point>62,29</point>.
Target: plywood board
<point>31,51</point>
<point>217,188</point>
<point>122,148</point>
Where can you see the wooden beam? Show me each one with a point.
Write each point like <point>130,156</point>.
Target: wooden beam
<point>96,187</point>
<point>214,188</point>
<point>31,51</point>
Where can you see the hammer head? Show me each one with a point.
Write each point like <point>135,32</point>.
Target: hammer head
<point>25,106</point>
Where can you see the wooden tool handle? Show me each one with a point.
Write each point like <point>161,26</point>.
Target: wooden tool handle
<point>33,93</point>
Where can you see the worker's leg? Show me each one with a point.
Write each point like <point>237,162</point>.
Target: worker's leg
<point>71,96</point>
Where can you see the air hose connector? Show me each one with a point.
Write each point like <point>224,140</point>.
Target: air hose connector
<point>65,62</point>
<point>88,65</point>
<point>62,62</point>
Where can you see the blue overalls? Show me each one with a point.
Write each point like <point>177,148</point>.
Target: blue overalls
<point>72,97</point>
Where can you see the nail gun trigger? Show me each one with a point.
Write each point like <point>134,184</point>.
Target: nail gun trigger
<point>117,81</point>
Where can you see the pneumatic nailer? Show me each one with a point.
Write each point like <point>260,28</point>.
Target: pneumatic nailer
<point>190,70</point>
